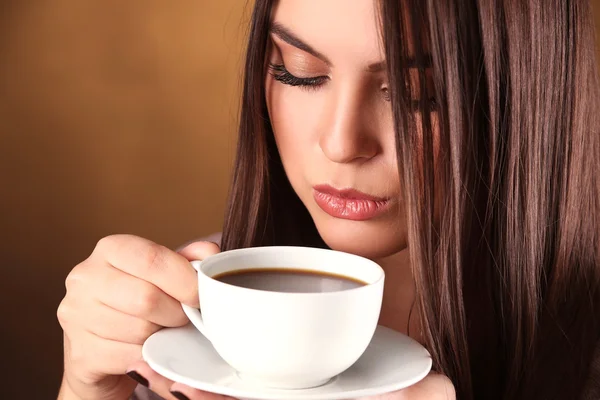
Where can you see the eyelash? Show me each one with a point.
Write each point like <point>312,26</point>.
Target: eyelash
<point>281,74</point>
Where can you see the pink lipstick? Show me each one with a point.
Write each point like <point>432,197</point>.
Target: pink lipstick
<point>349,203</point>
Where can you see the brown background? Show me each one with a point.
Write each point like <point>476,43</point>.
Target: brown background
<point>115,116</point>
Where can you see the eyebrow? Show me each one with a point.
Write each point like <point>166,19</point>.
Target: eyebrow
<point>290,38</point>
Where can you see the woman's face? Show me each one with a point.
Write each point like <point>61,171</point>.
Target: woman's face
<point>331,116</point>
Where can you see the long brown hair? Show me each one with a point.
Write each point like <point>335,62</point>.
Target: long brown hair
<point>508,273</point>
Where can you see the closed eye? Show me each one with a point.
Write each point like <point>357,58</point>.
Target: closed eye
<point>281,74</point>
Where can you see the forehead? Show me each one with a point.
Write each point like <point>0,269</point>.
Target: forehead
<point>350,28</point>
<point>343,30</point>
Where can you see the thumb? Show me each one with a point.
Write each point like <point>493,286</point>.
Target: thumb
<point>199,250</point>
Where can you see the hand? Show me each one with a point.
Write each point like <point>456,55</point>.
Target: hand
<point>179,391</point>
<point>432,387</point>
<point>125,291</point>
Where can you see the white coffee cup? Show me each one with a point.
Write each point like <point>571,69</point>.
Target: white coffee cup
<point>281,339</point>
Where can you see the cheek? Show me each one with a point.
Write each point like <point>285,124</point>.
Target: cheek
<point>294,115</point>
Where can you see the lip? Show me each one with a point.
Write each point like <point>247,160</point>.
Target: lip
<point>349,204</point>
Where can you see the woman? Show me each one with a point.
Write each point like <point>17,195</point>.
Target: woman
<point>454,142</point>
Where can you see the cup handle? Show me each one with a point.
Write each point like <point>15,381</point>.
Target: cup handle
<point>194,315</point>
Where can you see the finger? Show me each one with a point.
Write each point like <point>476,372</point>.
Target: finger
<point>199,250</point>
<point>105,357</point>
<point>183,392</point>
<point>104,321</point>
<point>126,293</point>
<point>142,299</point>
<point>157,383</point>
<point>164,268</point>
<point>112,324</point>
<point>86,383</point>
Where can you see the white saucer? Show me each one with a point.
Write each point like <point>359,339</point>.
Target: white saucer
<point>392,362</point>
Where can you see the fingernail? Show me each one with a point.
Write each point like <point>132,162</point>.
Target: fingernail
<point>179,395</point>
<point>138,378</point>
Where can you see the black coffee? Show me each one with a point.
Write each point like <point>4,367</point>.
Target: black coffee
<point>288,280</point>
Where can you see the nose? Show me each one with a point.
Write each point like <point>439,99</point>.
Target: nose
<point>349,134</point>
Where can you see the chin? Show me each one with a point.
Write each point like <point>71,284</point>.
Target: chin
<point>370,239</point>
